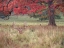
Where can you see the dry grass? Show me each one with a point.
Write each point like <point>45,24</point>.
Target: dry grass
<point>38,36</point>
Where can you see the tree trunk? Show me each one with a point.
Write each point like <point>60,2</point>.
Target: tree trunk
<point>51,17</point>
<point>51,14</point>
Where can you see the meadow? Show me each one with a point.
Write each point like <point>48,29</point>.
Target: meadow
<point>20,20</point>
<point>26,32</point>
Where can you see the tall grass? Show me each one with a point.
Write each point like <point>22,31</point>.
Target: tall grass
<point>31,37</point>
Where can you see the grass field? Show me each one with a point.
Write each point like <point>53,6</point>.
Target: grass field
<point>26,32</point>
<point>31,36</point>
<point>20,20</point>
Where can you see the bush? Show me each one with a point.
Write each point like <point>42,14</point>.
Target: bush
<point>57,17</point>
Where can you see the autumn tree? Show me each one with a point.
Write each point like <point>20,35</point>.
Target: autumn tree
<point>4,8</point>
<point>31,6</point>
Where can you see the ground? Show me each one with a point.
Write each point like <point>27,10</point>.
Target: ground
<point>25,32</point>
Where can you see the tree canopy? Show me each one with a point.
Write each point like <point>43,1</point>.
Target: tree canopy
<point>31,6</point>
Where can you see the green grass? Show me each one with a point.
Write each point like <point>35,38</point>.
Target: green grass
<point>30,21</point>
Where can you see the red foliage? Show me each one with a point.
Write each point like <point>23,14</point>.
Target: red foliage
<point>1,7</point>
<point>39,12</point>
<point>60,6</point>
<point>5,8</point>
<point>10,6</point>
<point>16,10</point>
<point>6,13</point>
<point>19,6</point>
<point>62,9</point>
<point>0,0</point>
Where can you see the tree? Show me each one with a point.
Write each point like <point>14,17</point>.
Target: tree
<point>51,14</point>
<point>4,8</point>
<point>32,6</point>
<point>59,5</point>
<point>51,9</point>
